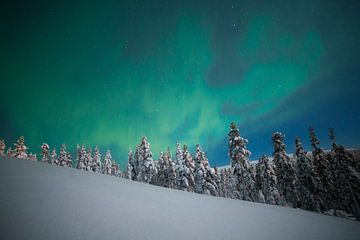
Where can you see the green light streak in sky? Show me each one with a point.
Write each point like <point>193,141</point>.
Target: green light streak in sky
<point>164,95</point>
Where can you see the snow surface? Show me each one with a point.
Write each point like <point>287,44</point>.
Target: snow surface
<point>43,201</point>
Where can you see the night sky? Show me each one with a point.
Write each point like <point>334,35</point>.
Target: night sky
<point>109,72</point>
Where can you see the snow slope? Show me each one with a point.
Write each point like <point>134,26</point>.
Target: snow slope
<point>41,201</point>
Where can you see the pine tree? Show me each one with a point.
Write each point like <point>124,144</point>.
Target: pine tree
<point>170,181</point>
<point>199,171</point>
<point>9,152</point>
<point>161,166</point>
<point>310,188</point>
<point>2,147</point>
<point>182,182</point>
<point>130,171</point>
<point>20,149</point>
<point>285,171</point>
<point>206,178</point>
<point>147,170</point>
<point>62,156</point>
<point>96,163</point>
<point>45,152</point>
<point>346,182</point>
<point>243,174</point>
<point>53,156</point>
<point>68,160</point>
<point>136,163</point>
<point>115,169</point>
<point>266,182</point>
<point>190,164</point>
<point>81,157</point>
<point>107,163</point>
<point>321,168</point>
<point>88,159</point>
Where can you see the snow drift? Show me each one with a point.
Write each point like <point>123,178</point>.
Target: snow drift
<point>42,201</point>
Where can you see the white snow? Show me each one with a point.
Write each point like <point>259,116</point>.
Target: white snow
<point>43,201</point>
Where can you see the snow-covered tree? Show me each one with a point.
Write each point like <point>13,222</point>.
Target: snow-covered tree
<point>115,169</point>
<point>266,182</point>
<point>45,152</point>
<point>62,156</point>
<point>107,163</point>
<point>88,159</point>
<point>181,170</point>
<point>309,184</point>
<point>9,152</point>
<point>321,167</point>
<point>81,157</point>
<point>96,163</point>
<point>346,182</point>
<point>285,171</point>
<point>68,160</point>
<point>53,156</point>
<point>130,171</point>
<point>199,170</point>
<point>20,149</point>
<point>243,174</point>
<point>206,178</point>
<point>170,180</point>
<point>2,147</point>
<point>162,170</point>
<point>148,169</point>
<point>189,162</point>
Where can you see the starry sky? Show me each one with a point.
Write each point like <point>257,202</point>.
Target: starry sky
<point>109,72</point>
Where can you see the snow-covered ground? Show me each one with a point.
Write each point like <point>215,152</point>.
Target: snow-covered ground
<point>41,201</point>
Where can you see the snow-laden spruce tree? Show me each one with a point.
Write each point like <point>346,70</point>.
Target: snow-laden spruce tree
<point>206,178</point>
<point>130,171</point>
<point>182,183</point>
<point>45,152</point>
<point>244,179</point>
<point>170,180</point>
<point>115,169</point>
<point>107,163</point>
<point>136,164</point>
<point>68,160</point>
<point>162,170</point>
<point>226,186</point>
<point>96,161</point>
<point>53,156</point>
<point>310,188</point>
<point>346,182</point>
<point>88,159</point>
<point>81,157</point>
<point>62,155</point>
<point>266,182</point>
<point>20,150</point>
<point>322,169</point>
<point>223,189</point>
<point>9,152</point>
<point>199,170</point>
<point>2,147</point>
<point>189,162</point>
<point>148,169</point>
<point>285,171</point>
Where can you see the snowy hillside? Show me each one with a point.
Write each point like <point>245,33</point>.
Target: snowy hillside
<point>42,201</point>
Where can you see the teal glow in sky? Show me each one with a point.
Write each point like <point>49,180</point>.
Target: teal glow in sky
<point>109,72</point>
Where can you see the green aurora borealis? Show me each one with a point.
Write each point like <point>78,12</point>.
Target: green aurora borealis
<point>109,72</point>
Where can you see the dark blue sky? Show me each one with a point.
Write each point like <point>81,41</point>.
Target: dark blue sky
<point>109,72</point>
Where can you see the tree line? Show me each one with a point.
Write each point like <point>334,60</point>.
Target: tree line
<point>320,181</point>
